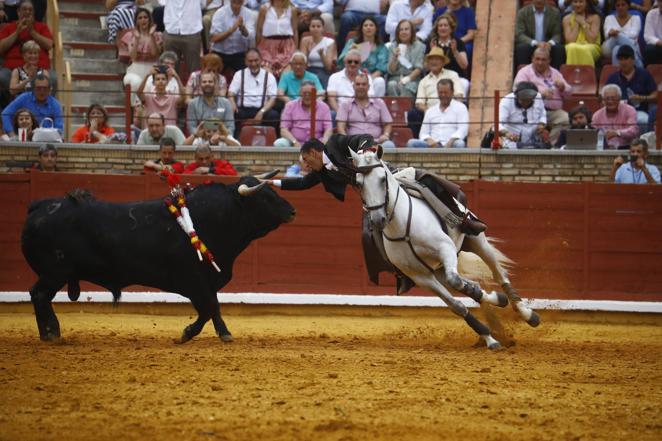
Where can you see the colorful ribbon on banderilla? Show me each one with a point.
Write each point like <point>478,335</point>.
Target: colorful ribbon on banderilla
<point>177,206</point>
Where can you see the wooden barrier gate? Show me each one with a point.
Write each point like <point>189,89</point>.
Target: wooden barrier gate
<point>569,241</point>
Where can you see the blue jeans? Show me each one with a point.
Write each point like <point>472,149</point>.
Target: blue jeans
<point>419,143</point>
<point>349,20</point>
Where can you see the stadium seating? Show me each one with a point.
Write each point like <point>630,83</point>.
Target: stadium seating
<point>581,78</point>
<point>607,70</point>
<point>398,106</point>
<point>257,136</point>
<point>400,136</point>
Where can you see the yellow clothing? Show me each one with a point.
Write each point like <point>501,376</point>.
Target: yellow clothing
<point>581,51</point>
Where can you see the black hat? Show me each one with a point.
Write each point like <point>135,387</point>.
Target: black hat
<point>625,51</point>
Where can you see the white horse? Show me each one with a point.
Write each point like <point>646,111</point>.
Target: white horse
<point>417,245</point>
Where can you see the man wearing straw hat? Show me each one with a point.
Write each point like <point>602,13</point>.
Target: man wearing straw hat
<point>426,95</point>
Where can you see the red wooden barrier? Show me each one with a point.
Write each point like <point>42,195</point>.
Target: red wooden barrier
<point>572,241</point>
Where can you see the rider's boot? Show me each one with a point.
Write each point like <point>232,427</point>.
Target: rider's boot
<point>404,283</point>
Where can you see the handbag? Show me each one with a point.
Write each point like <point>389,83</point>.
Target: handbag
<point>46,134</point>
<point>486,142</point>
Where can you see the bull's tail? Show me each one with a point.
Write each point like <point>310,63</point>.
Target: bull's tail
<point>73,290</point>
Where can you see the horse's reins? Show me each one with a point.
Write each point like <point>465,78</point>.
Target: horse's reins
<point>405,238</point>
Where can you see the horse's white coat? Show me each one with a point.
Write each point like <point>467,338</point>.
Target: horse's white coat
<point>389,210</point>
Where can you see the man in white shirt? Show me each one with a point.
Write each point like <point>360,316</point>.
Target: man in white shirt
<point>232,33</point>
<point>183,23</point>
<point>446,124</point>
<point>653,37</point>
<point>419,12</point>
<point>207,15</point>
<point>522,117</point>
<point>341,84</point>
<point>252,93</point>
<point>427,95</point>
<point>357,10</point>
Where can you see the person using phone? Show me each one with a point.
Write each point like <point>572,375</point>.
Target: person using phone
<point>635,169</point>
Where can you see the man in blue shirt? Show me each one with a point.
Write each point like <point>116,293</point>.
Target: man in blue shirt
<point>636,170</point>
<point>39,101</point>
<point>289,86</point>
<point>638,87</point>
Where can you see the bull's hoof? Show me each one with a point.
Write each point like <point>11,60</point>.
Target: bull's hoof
<point>53,338</point>
<point>502,300</point>
<point>534,320</point>
<point>226,338</point>
<point>183,339</point>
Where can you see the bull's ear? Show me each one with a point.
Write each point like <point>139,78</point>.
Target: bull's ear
<point>380,151</point>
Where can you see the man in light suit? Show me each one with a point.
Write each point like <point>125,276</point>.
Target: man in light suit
<point>538,25</point>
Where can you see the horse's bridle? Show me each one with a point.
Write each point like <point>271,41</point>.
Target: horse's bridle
<point>405,237</point>
<point>366,169</point>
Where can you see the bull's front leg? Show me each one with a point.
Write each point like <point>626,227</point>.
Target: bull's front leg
<point>41,296</point>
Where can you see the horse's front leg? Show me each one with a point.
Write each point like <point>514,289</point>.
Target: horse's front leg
<point>425,279</point>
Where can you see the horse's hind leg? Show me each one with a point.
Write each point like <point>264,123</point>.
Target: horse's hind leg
<point>41,296</point>
<point>492,257</point>
<point>458,308</point>
<point>450,277</point>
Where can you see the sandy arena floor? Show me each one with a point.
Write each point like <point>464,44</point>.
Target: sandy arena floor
<point>120,377</point>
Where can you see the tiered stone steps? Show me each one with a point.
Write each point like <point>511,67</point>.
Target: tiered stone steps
<point>96,73</point>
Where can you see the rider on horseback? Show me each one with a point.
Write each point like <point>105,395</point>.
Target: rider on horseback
<point>332,166</point>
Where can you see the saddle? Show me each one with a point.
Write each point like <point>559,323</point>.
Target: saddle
<point>445,198</point>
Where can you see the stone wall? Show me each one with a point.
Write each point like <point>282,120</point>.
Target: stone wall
<point>458,165</point>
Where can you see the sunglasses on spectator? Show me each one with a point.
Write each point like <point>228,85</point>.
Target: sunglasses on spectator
<point>353,62</point>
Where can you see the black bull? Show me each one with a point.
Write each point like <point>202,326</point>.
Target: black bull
<point>140,243</point>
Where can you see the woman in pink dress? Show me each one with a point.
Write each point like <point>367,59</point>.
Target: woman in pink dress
<point>144,45</point>
<point>276,34</point>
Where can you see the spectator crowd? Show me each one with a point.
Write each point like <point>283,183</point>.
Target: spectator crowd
<point>201,71</point>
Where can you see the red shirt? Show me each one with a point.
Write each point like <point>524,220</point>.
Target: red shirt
<point>218,167</point>
<point>13,57</point>
<point>81,135</point>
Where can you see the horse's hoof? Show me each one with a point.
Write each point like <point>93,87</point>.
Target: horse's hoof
<point>534,320</point>
<point>226,338</point>
<point>502,300</point>
<point>494,346</point>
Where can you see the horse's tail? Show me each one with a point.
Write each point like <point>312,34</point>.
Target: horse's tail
<point>473,268</point>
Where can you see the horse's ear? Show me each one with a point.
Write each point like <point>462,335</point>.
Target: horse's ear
<point>380,151</point>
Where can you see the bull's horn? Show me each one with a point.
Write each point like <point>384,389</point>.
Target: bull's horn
<point>268,175</point>
<point>245,190</point>
<point>355,156</point>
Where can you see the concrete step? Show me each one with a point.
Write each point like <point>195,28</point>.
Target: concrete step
<point>82,6</point>
<point>80,19</point>
<point>89,51</point>
<point>105,97</point>
<point>84,65</point>
<point>84,34</point>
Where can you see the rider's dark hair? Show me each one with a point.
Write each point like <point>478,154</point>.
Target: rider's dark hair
<point>312,144</point>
